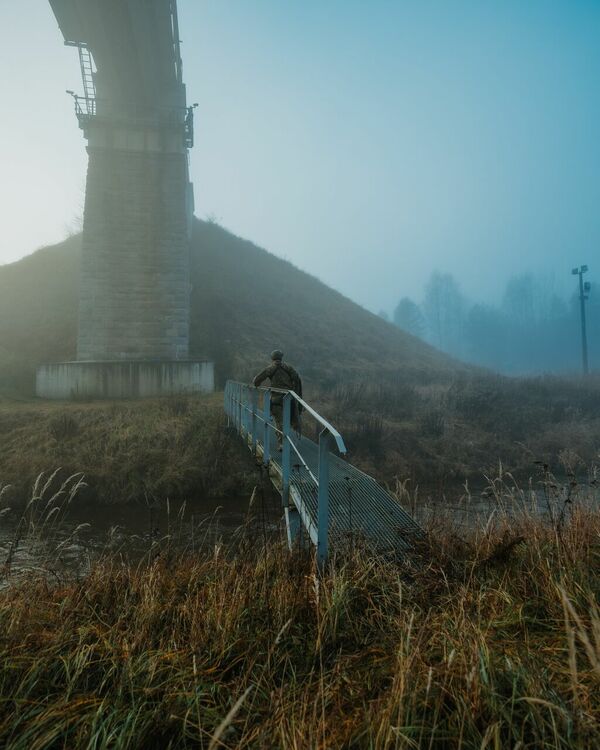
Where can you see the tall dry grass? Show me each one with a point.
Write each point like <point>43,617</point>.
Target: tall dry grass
<point>128,450</point>
<point>485,639</point>
<point>441,434</point>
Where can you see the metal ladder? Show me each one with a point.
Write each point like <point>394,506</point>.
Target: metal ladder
<point>87,74</point>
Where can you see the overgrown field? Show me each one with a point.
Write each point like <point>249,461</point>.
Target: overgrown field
<point>436,435</point>
<point>441,434</point>
<point>490,640</point>
<point>175,448</point>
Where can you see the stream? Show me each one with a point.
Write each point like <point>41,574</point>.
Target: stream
<point>66,537</point>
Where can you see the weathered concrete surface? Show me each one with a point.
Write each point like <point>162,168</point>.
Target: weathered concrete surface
<point>134,293</point>
<point>116,380</point>
<point>135,278</point>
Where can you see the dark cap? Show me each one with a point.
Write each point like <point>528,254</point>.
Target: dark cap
<point>277,354</point>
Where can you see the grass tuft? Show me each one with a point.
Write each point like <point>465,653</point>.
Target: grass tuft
<point>489,639</point>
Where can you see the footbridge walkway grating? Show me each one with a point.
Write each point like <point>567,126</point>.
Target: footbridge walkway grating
<point>334,502</point>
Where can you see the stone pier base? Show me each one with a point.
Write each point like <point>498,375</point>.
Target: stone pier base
<point>123,379</point>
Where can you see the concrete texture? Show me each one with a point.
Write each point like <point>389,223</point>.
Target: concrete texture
<point>117,380</point>
<point>134,292</point>
<point>135,276</point>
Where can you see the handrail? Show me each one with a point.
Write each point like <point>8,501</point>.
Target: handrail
<point>161,114</point>
<point>242,407</point>
<point>339,440</point>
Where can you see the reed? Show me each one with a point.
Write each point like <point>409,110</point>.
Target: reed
<point>128,451</point>
<point>488,638</point>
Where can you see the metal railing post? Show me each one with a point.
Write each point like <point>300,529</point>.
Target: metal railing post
<point>254,405</point>
<point>286,453</point>
<point>245,410</point>
<point>323,498</point>
<point>266,427</point>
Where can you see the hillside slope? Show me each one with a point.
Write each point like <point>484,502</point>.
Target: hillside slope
<point>38,308</point>
<point>405,410</point>
<point>245,302</point>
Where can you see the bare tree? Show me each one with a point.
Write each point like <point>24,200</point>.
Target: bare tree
<point>408,316</point>
<point>444,307</point>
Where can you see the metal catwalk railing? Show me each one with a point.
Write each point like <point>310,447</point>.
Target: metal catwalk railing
<point>334,501</point>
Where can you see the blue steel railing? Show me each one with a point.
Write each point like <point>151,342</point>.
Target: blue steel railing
<point>249,409</point>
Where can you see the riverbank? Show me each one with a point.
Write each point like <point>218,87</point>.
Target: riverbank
<point>131,451</point>
<point>489,639</point>
<point>438,437</point>
<point>441,435</point>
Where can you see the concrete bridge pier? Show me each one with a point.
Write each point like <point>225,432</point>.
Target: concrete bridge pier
<point>134,291</point>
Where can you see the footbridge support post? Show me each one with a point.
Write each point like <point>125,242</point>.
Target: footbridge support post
<point>254,418</point>
<point>266,426</point>
<point>323,498</point>
<point>286,449</point>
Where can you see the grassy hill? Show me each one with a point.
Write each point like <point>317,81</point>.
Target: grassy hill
<point>404,409</point>
<point>38,307</point>
<point>245,302</point>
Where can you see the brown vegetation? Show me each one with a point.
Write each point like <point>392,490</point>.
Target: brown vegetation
<point>437,436</point>
<point>440,435</point>
<point>491,640</point>
<point>175,448</point>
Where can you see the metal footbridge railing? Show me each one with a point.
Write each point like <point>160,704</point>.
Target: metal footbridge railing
<point>333,501</point>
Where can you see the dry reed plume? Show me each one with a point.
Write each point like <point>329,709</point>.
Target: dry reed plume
<point>487,641</point>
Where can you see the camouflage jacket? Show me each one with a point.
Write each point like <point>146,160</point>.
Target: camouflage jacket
<point>281,376</point>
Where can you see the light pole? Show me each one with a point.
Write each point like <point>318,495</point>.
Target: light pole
<point>583,295</point>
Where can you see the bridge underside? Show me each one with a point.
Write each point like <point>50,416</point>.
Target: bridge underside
<point>135,46</point>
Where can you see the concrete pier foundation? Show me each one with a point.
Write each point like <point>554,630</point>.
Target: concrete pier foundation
<point>123,380</point>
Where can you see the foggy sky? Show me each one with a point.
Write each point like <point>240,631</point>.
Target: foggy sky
<point>367,142</point>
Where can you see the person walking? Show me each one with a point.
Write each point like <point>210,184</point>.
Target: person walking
<point>282,377</point>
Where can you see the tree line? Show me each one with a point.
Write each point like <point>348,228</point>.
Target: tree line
<point>532,330</point>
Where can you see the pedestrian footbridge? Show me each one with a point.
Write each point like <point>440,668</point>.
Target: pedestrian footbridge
<point>322,494</point>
